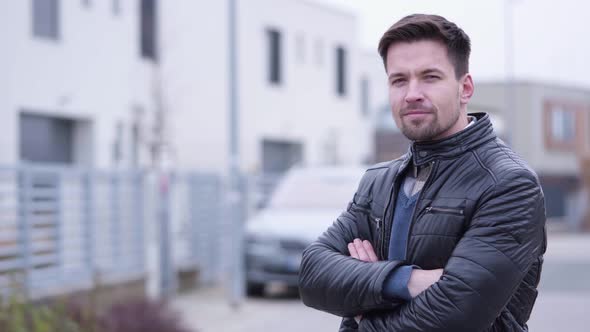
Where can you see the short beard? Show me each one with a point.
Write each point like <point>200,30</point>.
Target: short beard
<point>428,131</point>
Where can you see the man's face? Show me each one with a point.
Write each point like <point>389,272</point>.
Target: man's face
<point>427,100</point>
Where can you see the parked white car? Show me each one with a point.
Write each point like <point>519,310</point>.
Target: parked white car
<point>306,202</point>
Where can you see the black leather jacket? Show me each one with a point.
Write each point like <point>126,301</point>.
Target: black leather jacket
<point>480,216</point>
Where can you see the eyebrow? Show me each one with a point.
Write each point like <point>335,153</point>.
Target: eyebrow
<point>432,71</point>
<point>423,72</point>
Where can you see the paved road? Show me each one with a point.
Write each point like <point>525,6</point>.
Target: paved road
<point>563,303</point>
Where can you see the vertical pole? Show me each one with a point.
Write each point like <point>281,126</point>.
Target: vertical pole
<point>88,235</point>
<point>199,232</point>
<point>140,219</point>
<point>60,223</point>
<point>235,188</point>
<point>115,223</point>
<point>25,235</point>
<point>166,267</point>
<point>510,86</point>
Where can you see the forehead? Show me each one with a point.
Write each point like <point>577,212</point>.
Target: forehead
<point>416,56</point>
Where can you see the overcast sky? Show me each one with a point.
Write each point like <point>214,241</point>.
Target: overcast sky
<point>551,38</point>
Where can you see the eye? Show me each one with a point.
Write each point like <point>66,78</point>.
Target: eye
<point>397,81</point>
<point>431,77</point>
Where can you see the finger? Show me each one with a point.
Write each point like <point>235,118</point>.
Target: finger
<point>352,251</point>
<point>360,249</point>
<point>370,251</point>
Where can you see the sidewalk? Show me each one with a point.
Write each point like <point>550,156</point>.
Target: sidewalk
<point>207,310</point>
<point>563,302</point>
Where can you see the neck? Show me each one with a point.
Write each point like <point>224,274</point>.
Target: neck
<point>461,124</point>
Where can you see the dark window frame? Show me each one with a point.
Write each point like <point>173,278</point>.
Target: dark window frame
<point>148,29</point>
<point>274,43</point>
<point>46,19</point>
<point>46,138</point>
<point>116,7</point>
<point>341,71</point>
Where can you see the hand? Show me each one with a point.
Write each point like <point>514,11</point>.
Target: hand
<point>421,280</point>
<point>362,250</point>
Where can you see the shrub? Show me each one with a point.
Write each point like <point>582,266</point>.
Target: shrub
<point>132,315</point>
<point>141,315</point>
<point>17,315</point>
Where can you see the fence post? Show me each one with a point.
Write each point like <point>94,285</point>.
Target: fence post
<point>88,234</point>
<point>166,266</point>
<point>115,221</point>
<point>197,235</point>
<point>139,220</point>
<point>237,212</point>
<point>25,230</point>
<point>59,223</point>
<point>206,224</point>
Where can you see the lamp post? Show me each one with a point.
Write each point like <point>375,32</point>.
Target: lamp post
<point>235,197</point>
<point>509,87</point>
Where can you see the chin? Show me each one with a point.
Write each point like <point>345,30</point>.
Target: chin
<point>422,134</point>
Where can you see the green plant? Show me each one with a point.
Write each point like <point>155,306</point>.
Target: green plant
<point>20,315</point>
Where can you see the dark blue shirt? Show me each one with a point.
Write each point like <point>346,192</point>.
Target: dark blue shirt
<point>396,283</point>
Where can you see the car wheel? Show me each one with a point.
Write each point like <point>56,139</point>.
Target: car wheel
<point>254,289</point>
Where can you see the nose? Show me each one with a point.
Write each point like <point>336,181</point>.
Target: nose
<point>414,93</point>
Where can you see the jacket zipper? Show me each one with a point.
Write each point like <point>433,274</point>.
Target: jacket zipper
<point>434,209</point>
<point>430,176</point>
<point>379,223</point>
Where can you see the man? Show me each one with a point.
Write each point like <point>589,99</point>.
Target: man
<point>450,236</point>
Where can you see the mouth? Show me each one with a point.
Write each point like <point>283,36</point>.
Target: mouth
<point>416,114</point>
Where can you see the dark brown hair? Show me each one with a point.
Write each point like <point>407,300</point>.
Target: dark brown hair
<point>418,27</point>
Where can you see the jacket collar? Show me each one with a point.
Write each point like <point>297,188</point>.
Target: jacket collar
<point>449,147</point>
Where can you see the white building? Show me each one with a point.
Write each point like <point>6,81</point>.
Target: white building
<point>298,84</point>
<point>82,83</point>
<point>74,79</point>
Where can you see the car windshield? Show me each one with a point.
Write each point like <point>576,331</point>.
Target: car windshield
<point>316,189</point>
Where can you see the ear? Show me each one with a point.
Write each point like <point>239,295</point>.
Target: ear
<point>466,89</point>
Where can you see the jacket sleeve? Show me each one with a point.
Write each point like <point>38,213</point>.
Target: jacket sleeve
<point>503,240</point>
<point>332,281</point>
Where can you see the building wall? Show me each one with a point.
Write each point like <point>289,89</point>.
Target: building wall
<point>556,160</point>
<point>557,164</point>
<point>305,107</point>
<point>92,73</point>
<point>195,79</point>
<point>527,122</point>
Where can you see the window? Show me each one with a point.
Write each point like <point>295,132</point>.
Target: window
<point>274,56</point>
<point>560,125</point>
<point>116,7</point>
<point>341,71</point>
<point>365,96</point>
<point>148,29</point>
<point>46,139</point>
<point>46,19</point>
<point>279,156</point>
